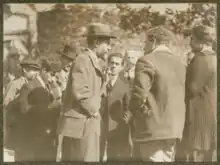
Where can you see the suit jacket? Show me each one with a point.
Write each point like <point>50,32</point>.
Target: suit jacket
<point>201,99</point>
<point>82,97</point>
<point>117,103</point>
<point>157,101</point>
<point>32,115</point>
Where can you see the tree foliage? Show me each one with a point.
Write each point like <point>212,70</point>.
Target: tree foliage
<point>66,25</point>
<point>138,20</point>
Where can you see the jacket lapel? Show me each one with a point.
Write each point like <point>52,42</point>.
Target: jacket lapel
<point>96,64</point>
<point>115,90</point>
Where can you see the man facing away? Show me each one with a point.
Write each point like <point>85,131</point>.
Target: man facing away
<point>157,101</point>
<point>80,119</point>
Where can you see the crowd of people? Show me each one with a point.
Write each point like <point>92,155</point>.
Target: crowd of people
<point>109,104</point>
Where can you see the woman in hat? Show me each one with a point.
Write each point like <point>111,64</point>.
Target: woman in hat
<point>201,97</point>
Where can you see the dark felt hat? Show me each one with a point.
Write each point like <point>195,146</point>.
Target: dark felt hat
<point>69,52</point>
<point>99,30</point>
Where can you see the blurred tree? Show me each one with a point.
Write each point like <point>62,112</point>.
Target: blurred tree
<point>66,24</point>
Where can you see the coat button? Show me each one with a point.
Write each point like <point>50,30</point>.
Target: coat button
<point>48,131</point>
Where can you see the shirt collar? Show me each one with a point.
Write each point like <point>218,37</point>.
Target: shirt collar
<point>162,48</point>
<point>113,80</point>
<point>207,48</point>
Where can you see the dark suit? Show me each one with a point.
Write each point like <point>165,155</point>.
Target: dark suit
<point>33,132</point>
<point>116,129</point>
<point>82,100</point>
<point>157,101</point>
<point>200,132</point>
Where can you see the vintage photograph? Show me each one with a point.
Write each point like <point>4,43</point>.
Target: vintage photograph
<point>110,82</point>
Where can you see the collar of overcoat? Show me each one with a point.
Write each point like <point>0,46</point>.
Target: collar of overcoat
<point>95,60</point>
<point>162,48</point>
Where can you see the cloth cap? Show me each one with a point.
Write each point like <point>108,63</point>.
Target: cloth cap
<point>31,62</point>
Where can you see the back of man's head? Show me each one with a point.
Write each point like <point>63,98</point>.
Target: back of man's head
<point>162,36</point>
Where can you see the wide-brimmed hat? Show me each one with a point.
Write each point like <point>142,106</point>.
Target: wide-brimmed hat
<point>205,33</point>
<point>99,30</point>
<point>31,63</point>
<point>69,52</point>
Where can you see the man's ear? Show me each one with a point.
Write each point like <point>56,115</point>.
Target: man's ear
<point>96,43</point>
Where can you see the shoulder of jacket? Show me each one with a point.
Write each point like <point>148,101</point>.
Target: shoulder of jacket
<point>27,86</point>
<point>147,60</point>
<point>123,80</point>
<point>200,54</point>
<point>84,56</point>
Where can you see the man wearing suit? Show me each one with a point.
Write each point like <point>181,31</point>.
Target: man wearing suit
<point>32,129</point>
<point>200,133</point>
<point>131,57</point>
<point>80,119</point>
<point>157,101</point>
<point>117,114</point>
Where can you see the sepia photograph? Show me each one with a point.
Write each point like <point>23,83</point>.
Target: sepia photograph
<point>122,82</point>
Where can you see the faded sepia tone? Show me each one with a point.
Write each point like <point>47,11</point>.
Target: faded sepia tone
<point>117,82</point>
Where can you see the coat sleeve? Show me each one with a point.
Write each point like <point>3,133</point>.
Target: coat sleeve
<point>23,98</point>
<point>81,86</point>
<point>127,113</point>
<point>144,77</point>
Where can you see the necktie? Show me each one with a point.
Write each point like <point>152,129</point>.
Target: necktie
<point>109,87</point>
<point>129,76</point>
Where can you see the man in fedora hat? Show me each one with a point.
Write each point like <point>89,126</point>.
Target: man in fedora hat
<point>68,55</point>
<point>80,120</point>
<point>33,139</point>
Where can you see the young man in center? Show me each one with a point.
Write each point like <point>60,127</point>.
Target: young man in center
<point>117,114</point>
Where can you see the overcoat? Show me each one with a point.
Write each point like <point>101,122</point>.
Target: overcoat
<point>157,101</point>
<point>32,128</point>
<point>201,100</point>
<point>82,98</point>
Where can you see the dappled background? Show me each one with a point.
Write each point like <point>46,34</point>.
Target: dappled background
<point>50,26</point>
<point>66,24</point>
